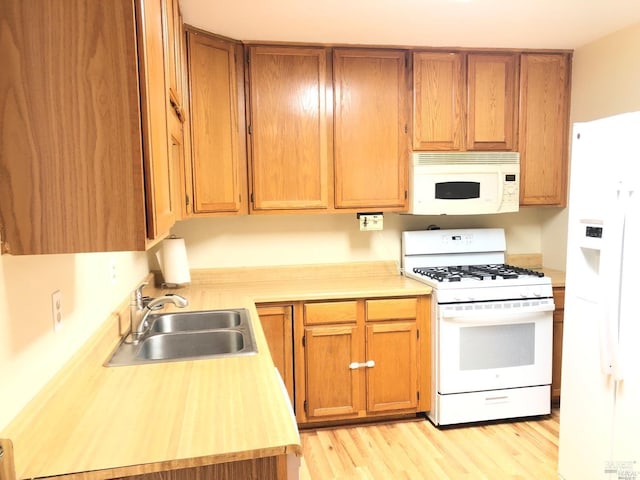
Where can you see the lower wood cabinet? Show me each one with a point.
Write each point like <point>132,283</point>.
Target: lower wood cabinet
<point>392,339</point>
<point>361,358</point>
<point>277,325</point>
<point>558,325</point>
<point>392,384</point>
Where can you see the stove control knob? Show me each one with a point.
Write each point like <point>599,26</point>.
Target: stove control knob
<point>533,292</point>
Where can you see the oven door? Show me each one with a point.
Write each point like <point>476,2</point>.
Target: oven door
<point>489,346</point>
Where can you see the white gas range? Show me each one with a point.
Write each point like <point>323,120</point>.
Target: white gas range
<point>492,326</point>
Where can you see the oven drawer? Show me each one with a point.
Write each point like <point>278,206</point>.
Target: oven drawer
<point>492,405</point>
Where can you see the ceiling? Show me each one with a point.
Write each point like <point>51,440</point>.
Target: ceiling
<point>562,24</point>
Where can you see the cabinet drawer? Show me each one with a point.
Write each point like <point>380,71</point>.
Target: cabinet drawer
<point>558,297</point>
<point>391,309</point>
<point>330,312</point>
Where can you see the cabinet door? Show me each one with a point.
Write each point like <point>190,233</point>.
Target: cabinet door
<point>492,108</point>
<point>438,99</point>
<point>173,31</point>
<point>288,128</point>
<point>371,141</point>
<point>392,383</point>
<point>277,324</point>
<point>544,128</point>
<point>159,175</point>
<point>333,389</point>
<point>217,167</point>
<point>71,173</point>
<point>176,160</point>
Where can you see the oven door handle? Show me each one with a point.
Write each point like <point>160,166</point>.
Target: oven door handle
<point>493,317</point>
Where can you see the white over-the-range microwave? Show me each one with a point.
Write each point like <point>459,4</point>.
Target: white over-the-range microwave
<point>464,183</point>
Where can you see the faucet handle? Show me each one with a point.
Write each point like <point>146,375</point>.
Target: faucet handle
<point>136,295</point>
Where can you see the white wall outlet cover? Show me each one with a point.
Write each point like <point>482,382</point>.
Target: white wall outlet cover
<point>113,271</point>
<point>370,221</point>
<point>56,310</point>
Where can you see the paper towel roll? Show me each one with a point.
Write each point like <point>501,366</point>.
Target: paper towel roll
<point>173,261</point>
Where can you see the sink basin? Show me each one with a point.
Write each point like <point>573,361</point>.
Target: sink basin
<point>187,345</point>
<point>190,321</point>
<point>179,336</point>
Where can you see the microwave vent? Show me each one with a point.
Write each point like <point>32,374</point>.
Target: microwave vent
<point>461,158</point>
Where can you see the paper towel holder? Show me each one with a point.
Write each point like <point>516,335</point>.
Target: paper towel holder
<point>172,258</point>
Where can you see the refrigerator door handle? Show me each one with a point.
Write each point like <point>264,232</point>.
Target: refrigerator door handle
<point>626,201</point>
<point>611,264</point>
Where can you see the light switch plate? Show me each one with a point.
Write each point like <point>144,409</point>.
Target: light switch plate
<point>370,221</point>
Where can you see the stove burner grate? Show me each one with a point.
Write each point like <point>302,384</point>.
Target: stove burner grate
<point>476,272</point>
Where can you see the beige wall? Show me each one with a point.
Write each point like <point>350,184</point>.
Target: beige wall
<point>606,80</point>
<point>606,76</point>
<point>293,239</point>
<point>30,352</point>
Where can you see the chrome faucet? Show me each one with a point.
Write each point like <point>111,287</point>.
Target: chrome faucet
<point>140,310</point>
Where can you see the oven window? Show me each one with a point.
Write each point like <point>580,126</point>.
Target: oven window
<point>457,190</point>
<point>497,346</point>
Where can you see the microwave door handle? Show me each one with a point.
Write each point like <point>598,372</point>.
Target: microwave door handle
<point>500,190</point>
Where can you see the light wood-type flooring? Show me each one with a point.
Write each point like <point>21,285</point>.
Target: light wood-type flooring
<point>526,449</point>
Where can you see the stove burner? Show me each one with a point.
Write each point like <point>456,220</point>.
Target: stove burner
<point>440,274</point>
<point>476,272</point>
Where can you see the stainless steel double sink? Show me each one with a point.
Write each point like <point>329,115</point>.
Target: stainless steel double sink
<point>178,336</point>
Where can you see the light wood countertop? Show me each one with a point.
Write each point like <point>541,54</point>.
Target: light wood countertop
<point>126,420</point>
<point>557,276</point>
<point>535,262</point>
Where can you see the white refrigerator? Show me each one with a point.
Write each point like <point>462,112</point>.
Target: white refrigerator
<point>600,395</point>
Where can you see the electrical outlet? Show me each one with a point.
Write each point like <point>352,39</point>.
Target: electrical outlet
<point>56,310</point>
<point>113,271</point>
<point>370,221</point>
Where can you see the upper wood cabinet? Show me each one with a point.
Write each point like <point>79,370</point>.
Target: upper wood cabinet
<point>82,108</point>
<point>159,170</point>
<point>492,106</point>
<point>218,162</point>
<point>371,124</point>
<point>438,101</point>
<point>544,128</point>
<point>289,128</point>
<point>177,160</point>
<point>464,101</point>
<point>172,23</point>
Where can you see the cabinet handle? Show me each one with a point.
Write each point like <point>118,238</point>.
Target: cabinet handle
<point>367,364</point>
